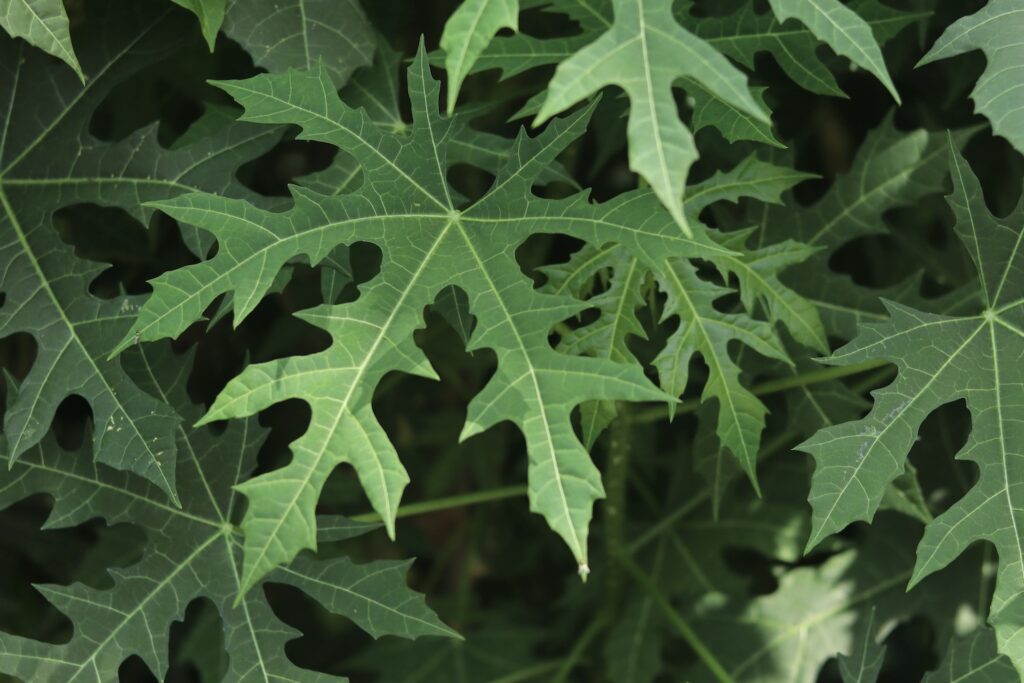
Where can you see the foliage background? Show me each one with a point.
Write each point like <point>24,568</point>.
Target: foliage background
<point>495,572</point>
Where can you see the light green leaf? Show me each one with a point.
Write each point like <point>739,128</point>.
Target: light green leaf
<point>703,329</point>
<point>607,337</point>
<point>645,52</point>
<point>466,34</point>
<point>210,14</point>
<point>43,23</point>
<point>998,94</point>
<point>843,30</point>
<point>941,359</point>
<point>746,33</point>
<point>428,244</point>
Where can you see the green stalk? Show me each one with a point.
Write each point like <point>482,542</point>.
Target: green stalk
<point>680,624</point>
<point>617,478</point>
<point>449,502</point>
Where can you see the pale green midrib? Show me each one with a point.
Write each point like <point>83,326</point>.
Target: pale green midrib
<point>863,197</point>
<point>1011,508</point>
<point>740,38</point>
<point>648,81</point>
<point>425,78</point>
<point>974,229</point>
<point>1006,307</point>
<point>893,419</point>
<point>143,331</point>
<point>389,118</point>
<point>854,600</point>
<point>123,179</point>
<point>458,63</point>
<point>1014,253</point>
<point>502,57</point>
<point>95,180</point>
<point>159,587</point>
<point>116,489</point>
<point>809,395</point>
<point>837,358</point>
<point>45,285</point>
<point>363,596</point>
<point>244,603</point>
<point>343,408</point>
<point>856,45</point>
<point>619,315</point>
<point>233,495</point>
<point>710,355</point>
<point>905,18</point>
<point>305,33</point>
<point>848,309</point>
<point>597,15</point>
<point>554,143</point>
<point>578,548</point>
<point>68,56</point>
<point>717,188</point>
<point>739,95</point>
<point>563,219</point>
<point>10,105</point>
<point>185,438</point>
<point>85,89</point>
<point>339,127</point>
<point>971,672</point>
<point>582,268</point>
<point>868,640</point>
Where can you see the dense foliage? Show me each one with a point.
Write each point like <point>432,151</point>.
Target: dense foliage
<point>675,340</point>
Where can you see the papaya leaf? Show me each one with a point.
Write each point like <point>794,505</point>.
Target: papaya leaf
<point>48,161</point>
<point>940,359</point>
<point>191,552</point>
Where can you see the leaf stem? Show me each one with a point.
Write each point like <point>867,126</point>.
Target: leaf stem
<point>680,624</point>
<point>449,502</point>
<point>772,386</point>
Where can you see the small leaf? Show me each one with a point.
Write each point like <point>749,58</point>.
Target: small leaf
<point>844,31</point>
<point>864,662</point>
<point>467,32</point>
<point>644,52</point>
<point>43,23</point>
<point>996,30</point>
<point>210,14</point>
